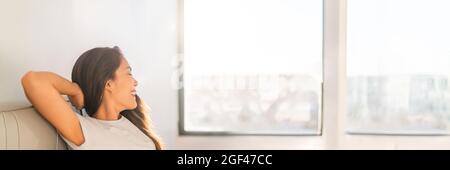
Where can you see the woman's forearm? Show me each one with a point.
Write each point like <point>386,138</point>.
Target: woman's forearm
<point>39,80</point>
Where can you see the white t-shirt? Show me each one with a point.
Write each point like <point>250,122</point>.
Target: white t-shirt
<point>111,135</point>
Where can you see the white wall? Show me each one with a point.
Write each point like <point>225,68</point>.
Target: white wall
<point>51,34</point>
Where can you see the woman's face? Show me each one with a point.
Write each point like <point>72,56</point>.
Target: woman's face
<point>123,86</point>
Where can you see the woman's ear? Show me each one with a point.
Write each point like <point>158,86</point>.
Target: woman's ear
<point>109,85</point>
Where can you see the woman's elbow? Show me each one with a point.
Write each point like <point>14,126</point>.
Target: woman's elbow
<point>28,78</point>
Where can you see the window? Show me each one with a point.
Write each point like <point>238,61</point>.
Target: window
<point>252,67</point>
<point>398,66</point>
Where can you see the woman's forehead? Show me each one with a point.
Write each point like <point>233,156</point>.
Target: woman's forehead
<point>124,64</point>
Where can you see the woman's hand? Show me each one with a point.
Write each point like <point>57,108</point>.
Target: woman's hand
<point>77,99</point>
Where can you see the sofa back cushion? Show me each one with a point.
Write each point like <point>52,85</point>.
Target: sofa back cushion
<point>22,127</point>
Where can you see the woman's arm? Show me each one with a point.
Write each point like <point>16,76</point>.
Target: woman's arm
<point>44,90</point>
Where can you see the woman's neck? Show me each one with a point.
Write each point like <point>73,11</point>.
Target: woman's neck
<point>107,111</point>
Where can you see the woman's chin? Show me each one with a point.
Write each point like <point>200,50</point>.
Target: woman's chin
<point>133,106</point>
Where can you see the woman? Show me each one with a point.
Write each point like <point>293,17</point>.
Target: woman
<point>104,86</point>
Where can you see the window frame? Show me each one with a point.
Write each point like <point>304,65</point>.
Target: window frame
<point>181,122</point>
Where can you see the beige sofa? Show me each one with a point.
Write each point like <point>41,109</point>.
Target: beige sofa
<point>21,127</point>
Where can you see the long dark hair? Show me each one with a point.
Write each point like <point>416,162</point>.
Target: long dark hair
<point>91,72</point>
